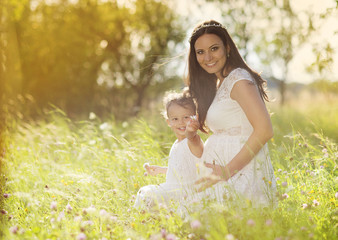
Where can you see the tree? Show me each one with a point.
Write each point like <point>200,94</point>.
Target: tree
<point>65,49</point>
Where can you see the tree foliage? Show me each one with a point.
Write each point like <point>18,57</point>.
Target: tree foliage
<point>92,55</point>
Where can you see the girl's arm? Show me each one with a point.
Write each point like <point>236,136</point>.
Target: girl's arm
<point>154,170</point>
<point>248,97</point>
<point>195,143</point>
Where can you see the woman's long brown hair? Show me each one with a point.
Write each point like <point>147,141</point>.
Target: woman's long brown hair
<point>202,85</point>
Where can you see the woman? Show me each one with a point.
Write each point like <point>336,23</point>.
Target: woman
<point>230,100</point>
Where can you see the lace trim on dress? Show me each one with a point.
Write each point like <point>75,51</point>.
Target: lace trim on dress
<point>226,86</point>
<point>234,131</point>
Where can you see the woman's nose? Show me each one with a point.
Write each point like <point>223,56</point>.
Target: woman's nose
<point>207,56</point>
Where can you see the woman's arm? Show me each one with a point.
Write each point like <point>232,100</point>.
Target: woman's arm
<point>248,97</point>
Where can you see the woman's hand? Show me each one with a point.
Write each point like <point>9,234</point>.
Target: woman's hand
<point>218,174</point>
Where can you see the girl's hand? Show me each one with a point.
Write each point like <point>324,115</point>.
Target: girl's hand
<point>152,169</point>
<point>192,127</point>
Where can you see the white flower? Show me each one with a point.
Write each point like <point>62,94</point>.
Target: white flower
<point>146,165</point>
<point>92,116</point>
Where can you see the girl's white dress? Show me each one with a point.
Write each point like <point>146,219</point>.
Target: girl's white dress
<point>231,129</point>
<point>180,178</point>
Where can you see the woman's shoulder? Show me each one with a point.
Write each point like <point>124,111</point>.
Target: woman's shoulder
<point>240,73</point>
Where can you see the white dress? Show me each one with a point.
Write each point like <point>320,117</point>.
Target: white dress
<point>180,178</point>
<point>231,128</point>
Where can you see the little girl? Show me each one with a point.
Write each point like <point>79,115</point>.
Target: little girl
<point>184,155</point>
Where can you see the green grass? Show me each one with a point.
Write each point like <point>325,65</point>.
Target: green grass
<point>95,167</point>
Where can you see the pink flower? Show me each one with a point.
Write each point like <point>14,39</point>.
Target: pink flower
<point>3,211</point>
<point>268,222</point>
<point>171,237</point>
<point>163,233</point>
<point>69,208</point>
<point>81,236</point>
<point>251,222</point>
<point>195,224</point>
<point>285,195</point>
<point>103,213</point>
<point>315,202</point>
<point>336,195</point>
<point>284,184</point>
<point>6,195</point>
<point>53,205</point>
<point>305,206</point>
<point>14,229</point>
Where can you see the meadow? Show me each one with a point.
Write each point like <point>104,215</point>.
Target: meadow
<point>66,179</point>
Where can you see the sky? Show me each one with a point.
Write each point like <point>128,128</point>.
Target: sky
<point>303,56</point>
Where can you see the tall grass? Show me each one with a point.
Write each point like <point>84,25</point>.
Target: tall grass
<point>78,180</point>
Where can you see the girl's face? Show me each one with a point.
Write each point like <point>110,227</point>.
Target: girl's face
<point>178,118</point>
<point>211,54</point>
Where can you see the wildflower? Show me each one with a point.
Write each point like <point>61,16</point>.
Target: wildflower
<point>53,205</point>
<point>3,211</point>
<point>305,206</point>
<point>156,237</point>
<point>69,208</point>
<point>77,218</point>
<point>336,195</point>
<point>285,195</point>
<point>87,223</point>
<point>251,222</point>
<point>145,166</point>
<point>14,229</point>
<point>81,236</point>
<point>305,165</point>
<point>171,237</point>
<point>91,210</point>
<point>145,174</point>
<point>114,191</point>
<point>315,203</point>
<point>284,184</point>
<point>92,116</point>
<point>113,218</point>
<point>103,213</point>
<point>303,228</point>
<point>6,195</point>
<point>163,232</point>
<point>324,150</point>
<point>268,222</point>
<point>61,216</point>
<point>229,237</point>
<point>321,166</point>
<point>191,236</point>
<point>195,224</point>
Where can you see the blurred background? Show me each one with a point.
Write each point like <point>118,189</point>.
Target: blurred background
<point>118,57</point>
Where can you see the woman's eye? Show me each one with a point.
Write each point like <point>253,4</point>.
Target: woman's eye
<point>199,52</point>
<point>214,49</point>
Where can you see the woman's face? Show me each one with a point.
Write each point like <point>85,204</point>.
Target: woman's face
<point>211,54</point>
